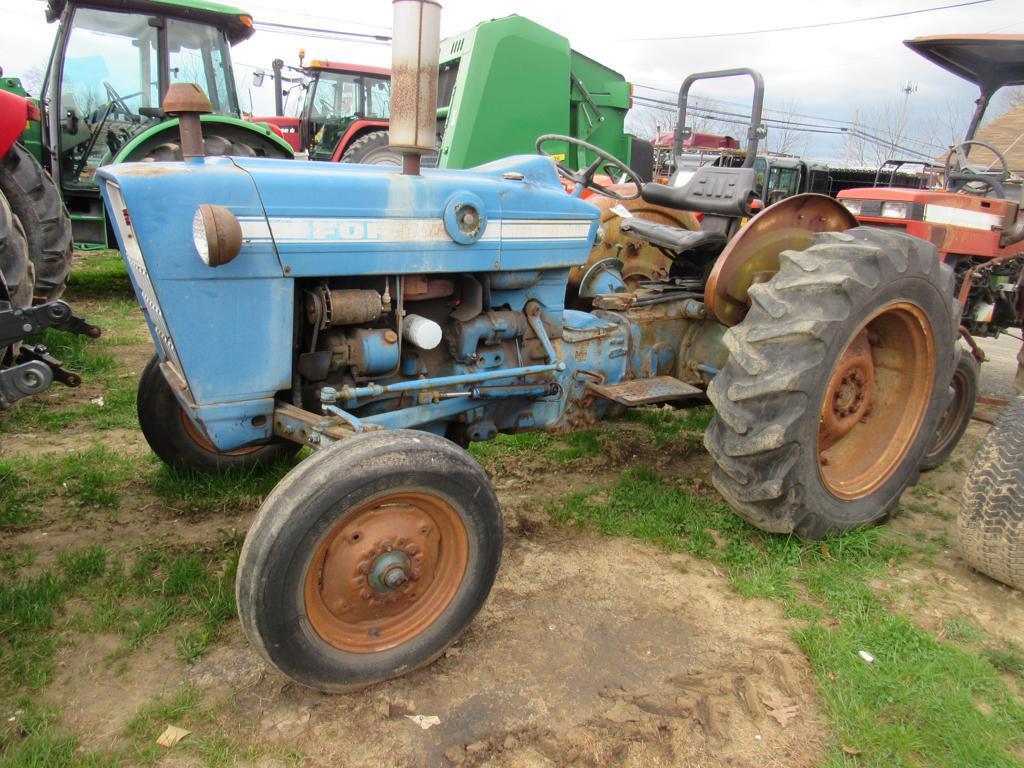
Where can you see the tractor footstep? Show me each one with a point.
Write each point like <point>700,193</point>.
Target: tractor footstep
<point>645,391</point>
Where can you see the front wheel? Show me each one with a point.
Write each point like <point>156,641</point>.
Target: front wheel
<point>958,414</point>
<point>835,383</point>
<point>369,559</point>
<point>175,439</point>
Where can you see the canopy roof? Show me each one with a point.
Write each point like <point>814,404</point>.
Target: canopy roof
<point>236,23</point>
<point>988,61</point>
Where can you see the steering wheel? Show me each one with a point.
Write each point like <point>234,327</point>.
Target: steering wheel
<point>960,173</point>
<point>585,178</point>
<point>117,101</point>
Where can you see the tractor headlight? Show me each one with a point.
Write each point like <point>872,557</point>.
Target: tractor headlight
<point>894,210</point>
<point>853,206</point>
<point>217,234</point>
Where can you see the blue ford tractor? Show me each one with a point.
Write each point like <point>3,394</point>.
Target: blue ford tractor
<point>386,318</point>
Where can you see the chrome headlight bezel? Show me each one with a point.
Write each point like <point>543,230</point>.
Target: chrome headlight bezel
<point>217,234</point>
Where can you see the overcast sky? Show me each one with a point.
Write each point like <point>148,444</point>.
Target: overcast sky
<point>847,72</point>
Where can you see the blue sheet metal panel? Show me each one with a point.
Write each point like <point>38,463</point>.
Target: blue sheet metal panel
<point>162,199</point>
<point>230,425</point>
<point>216,318</point>
<point>342,219</point>
<point>235,335</point>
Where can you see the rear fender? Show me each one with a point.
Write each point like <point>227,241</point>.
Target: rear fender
<point>258,136</point>
<point>15,113</point>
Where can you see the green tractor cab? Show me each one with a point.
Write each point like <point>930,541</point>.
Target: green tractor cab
<point>112,62</point>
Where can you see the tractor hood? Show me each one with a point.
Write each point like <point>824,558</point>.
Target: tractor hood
<point>318,220</point>
<point>988,61</point>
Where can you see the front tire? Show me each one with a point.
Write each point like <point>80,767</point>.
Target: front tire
<point>958,414</point>
<point>369,559</point>
<point>830,397</point>
<point>173,437</point>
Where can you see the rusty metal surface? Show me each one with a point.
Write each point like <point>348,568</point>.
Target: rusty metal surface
<point>752,256</point>
<point>641,261</point>
<point>873,434</point>
<point>386,571</point>
<point>642,391</point>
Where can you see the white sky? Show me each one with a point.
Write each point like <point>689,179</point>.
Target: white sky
<point>829,72</point>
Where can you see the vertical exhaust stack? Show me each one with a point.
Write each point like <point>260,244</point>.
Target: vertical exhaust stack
<point>415,51</point>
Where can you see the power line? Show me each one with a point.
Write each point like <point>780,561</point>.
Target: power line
<point>730,119</point>
<point>807,26</point>
<point>317,16</point>
<point>321,32</point>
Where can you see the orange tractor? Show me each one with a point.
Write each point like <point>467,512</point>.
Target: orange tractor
<point>975,221</point>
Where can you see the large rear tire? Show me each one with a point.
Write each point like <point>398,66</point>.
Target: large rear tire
<point>373,149</point>
<point>991,519</point>
<point>369,559</point>
<point>16,270</point>
<point>173,437</point>
<point>831,394</point>
<point>36,201</point>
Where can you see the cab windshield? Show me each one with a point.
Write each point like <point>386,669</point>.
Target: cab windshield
<point>336,100</point>
<point>117,66</point>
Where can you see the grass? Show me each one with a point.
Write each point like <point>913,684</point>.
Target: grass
<point>237,490</point>
<point>190,589</point>
<point>561,448</point>
<point>29,611</point>
<point>30,739</point>
<point>98,275</point>
<point>668,425</point>
<point>90,479</point>
<point>924,702</point>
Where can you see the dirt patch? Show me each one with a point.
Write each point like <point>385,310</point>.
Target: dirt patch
<point>590,651</point>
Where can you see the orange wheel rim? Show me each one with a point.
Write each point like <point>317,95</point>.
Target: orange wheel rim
<point>386,571</point>
<point>203,442</point>
<point>876,399</point>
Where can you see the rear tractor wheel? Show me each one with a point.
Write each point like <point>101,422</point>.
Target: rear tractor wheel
<point>369,559</point>
<point>835,383</point>
<point>35,200</point>
<point>176,440</point>
<point>16,273</point>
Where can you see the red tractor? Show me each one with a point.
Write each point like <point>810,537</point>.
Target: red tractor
<point>342,114</point>
<point>31,218</point>
<point>975,220</point>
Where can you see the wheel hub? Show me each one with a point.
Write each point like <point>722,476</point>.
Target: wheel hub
<point>875,400</point>
<point>385,571</point>
<point>848,397</point>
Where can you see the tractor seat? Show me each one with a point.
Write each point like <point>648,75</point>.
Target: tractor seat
<point>673,238</point>
<point>711,190</point>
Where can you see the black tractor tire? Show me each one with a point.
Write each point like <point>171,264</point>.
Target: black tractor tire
<point>16,271</point>
<point>990,525</point>
<point>891,291</point>
<point>213,146</point>
<point>36,201</point>
<point>15,264</point>
<point>372,149</point>
<point>306,538</point>
<point>180,445</point>
<point>954,421</point>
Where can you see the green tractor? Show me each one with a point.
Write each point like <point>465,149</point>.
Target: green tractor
<point>112,63</point>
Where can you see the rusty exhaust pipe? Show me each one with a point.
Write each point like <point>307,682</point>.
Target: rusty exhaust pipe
<point>415,52</point>
<point>187,102</point>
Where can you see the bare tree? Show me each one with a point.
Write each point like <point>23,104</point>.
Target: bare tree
<point>32,79</point>
<point>784,137</point>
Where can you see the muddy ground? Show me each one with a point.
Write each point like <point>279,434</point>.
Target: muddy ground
<point>591,650</point>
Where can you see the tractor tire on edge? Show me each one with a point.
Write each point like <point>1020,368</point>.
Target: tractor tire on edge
<point>174,438</point>
<point>36,201</point>
<point>859,312</point>
<point>990,525</point>
<point>954,421</point>
<point>16,271</point>
<point>313,588</point>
